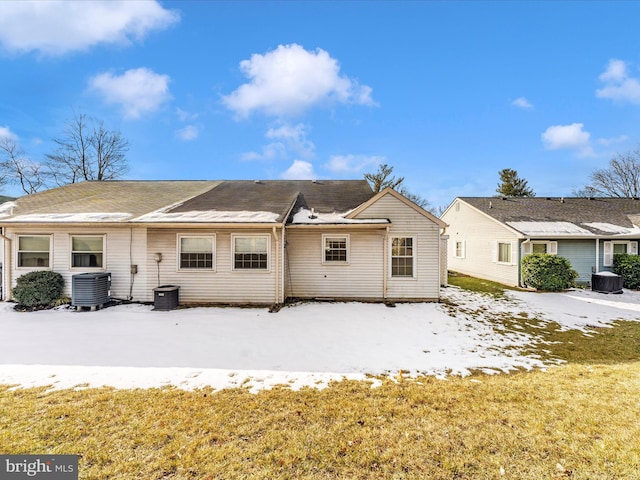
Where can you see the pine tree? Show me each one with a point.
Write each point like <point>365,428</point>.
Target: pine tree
<point>513,186</point>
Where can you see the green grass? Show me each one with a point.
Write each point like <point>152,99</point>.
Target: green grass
<point>575,421</point>
<point>478,285</point>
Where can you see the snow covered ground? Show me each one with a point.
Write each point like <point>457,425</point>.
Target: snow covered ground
<point>309,344</point>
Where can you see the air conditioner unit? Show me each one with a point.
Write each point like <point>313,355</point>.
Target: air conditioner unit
<point>90,289</point>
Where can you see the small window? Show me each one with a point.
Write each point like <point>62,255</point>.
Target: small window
<point>460,253</point>
<point>250,253</point>
<point>504,252</point>
<point>619,248</point>
<point>336,248</point>
<point>402,257</point>
<point>539,248</point>
<point>34,251</point>
<point>87,251</point>
<point>196,252</point>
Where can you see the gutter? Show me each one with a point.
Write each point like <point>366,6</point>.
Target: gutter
<point>385,263</point>
<point>6,267</point>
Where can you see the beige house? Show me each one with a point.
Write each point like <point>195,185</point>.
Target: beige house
<point>232,242</point>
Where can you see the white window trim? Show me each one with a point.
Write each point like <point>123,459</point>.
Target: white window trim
<point>104,252</point>
<point>250,270</point>
<point>513,250</point>
<point>607,257</point>
<point>180,236</point>
<point>17,251</point>
<point>345,236</point>
<point>463,249</point>
<point>552,246</point>
<point>414,244</point>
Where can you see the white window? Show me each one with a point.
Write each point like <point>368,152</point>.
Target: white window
<point>87,251</point>
<point>617,247</point>
<point>196,252</point>
<point>402,256</point>
<point>335,249</point>
<point>34,251</point>
<point>460,249</point>
<point>537,246</point>
<point>251,252</point>
<point>504,252</point>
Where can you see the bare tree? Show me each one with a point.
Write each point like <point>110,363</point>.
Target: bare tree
<point>621,179</point>
<point>17,168</point>
<point>87,150</point>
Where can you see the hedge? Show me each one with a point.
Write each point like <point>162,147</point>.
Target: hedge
<point>628,267</point>
<point>544,271</point>
<point>37,289</point>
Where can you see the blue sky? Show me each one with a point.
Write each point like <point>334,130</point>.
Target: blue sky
<point>448,93</point>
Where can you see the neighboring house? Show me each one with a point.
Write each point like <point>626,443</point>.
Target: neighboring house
<point>235,242</point>
<point>489,236</point>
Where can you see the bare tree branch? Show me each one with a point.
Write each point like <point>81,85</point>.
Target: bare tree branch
<point>621,179</point>
<point>16,168</point>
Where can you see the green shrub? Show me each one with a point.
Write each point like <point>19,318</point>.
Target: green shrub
<point>628,267</point>
<point>40,288</point>
<point>543,271</point>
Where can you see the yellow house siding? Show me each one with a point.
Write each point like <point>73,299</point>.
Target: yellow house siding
<point>308,277</point>
<point>223,285</point>
<point>408,222</point>
<point>479,234</point>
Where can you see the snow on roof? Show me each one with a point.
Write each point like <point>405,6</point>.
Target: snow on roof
<point>613,229</point>
<point>306,217</point>
<point>549,228</point>
<point>71,217</point>
<point>6,208</point>
<point>209,216</point>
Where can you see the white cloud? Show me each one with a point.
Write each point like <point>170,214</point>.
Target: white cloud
<point>299,170</point>
<point>185,116</point>
<point>288,80</point>
<point>288,139</point>
<point>522,102</point>
<point>618,84</point>
<point>570,137</point>
<point>137,91</point>
<point>190,132</point>
<point>7,134</point>
<point>56,27</point>
<point>352,163</point>
<point>611,141</point>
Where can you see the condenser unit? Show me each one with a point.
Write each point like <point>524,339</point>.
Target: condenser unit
<point>90,289</point>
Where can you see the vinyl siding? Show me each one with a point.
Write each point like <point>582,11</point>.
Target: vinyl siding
<point>480,234</point>
<point>308,277</point>
<point>407,222</point>
<point>224,285</point>
<point>582,256</point>
<point>122,248</point>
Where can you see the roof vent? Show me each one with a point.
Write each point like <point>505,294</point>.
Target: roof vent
<point>313,215</point>
<point>314,181</point>
<point>490,204</point>
<point>562,200</point>
<point>504,198</point>
<point>257,181</point>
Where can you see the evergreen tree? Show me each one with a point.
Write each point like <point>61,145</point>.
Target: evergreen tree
<point>513,186</point>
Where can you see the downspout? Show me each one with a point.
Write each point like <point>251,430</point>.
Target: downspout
<point>385,263</point>
<point>597,255</point>
<point>277,282</point>
<point>520,257</point>
<point>444,278</point>
<point>6,266</point>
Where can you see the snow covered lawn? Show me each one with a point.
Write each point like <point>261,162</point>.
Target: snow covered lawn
<point>132,346</point>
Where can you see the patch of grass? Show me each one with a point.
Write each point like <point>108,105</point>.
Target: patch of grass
<point>478,285</point>
<point>575,421</point>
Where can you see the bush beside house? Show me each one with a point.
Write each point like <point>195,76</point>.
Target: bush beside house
<point>38,289</point>
<point>544,271</point>
<point>628,267</point>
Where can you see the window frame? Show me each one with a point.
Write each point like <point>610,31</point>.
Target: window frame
<point>414,256</point>
<point>236,236</point>
<point>504,262</point>
<point>346,238</point>
<point>179,266</point>
<point>103,252</point>
<point>18,251</point>
<point>607,257</point>
<point>463,249</point>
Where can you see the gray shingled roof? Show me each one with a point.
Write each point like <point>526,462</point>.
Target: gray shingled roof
<point>123,201</point>
<point>581,212</point>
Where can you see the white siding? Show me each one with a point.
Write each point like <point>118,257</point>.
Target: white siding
<point>480,234</point>
<point>224,285</point>
<point>308,277</point>
<point>123,247</point>
<point>408,222</point>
